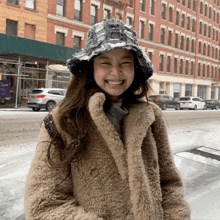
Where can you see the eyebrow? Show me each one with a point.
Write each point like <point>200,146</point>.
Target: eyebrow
<point>102,56</point>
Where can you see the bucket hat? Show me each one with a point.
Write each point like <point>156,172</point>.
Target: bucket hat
<point>105,36</point>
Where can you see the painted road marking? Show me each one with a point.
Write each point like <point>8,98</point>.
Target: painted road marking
<point>204,155</point>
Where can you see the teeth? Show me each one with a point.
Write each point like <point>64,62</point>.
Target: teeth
<point>114,82</point>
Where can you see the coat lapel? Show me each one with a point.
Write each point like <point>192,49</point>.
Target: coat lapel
<point>109,133</point>
<point>137,124</point>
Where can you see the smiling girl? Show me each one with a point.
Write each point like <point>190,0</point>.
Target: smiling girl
<point>103,152</point>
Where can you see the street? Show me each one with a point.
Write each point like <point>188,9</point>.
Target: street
<point>190,132</point>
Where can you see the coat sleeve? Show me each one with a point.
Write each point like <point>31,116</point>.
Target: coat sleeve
<point>174,205</point>
<point>46,195</point>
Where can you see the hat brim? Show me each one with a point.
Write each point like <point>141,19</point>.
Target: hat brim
<point>143,60</point>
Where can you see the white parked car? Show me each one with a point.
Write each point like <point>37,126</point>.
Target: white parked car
<point>45,98</point>
<point>190,102</point>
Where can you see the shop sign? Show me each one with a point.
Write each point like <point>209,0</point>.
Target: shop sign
<point>4,88</point>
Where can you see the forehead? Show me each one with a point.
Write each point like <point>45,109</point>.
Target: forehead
<point>118,52</point>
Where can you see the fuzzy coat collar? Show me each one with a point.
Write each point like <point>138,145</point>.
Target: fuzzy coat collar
<point>128,158</point>
<point>136,124</point>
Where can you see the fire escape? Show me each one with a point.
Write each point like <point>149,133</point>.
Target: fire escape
<point>118,6</point>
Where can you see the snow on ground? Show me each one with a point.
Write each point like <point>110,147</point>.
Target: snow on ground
<point>14,165</point>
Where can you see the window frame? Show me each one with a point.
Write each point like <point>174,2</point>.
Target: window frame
<point>93,18</point>
<point>78,12</point>
<point>63,8</point>
<point>33,2</point>
<point>11,23</point>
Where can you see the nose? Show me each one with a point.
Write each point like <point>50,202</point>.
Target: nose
<point>116,70</point>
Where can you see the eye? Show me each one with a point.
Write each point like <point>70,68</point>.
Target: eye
<point>126,63</point>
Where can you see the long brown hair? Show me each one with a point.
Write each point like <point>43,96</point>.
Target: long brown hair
<point>74,117</point>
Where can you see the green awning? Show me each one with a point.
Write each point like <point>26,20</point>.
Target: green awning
<point>21,46</point>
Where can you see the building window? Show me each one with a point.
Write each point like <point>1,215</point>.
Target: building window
<point>151,32</point>
<point>210,12</point>
<point>141,29</point>
<point>208,69</point>
<point>188,23</point>
<point>205,29</point>
<point>206,10</point>
<point>60,38</point>
<point>208,51</point>
<point>217,35</point>
<point>170,14</point>
<point>204,49</point>
<point>150,55</point>
<point>161,62</point>
<point>187,44</point>
<point>200,47</point>
<point>93,15</point>
<point>194,5</point>
<point>162,35</point>
<point>181,66</point>
<point>183,21</point>
<point>201,7</point>
<point>214,16</point>
<point>203,70</point>
<point>191,68</point>
<point>151,8</point>
<point>142,5</point>
<point>29,31</point>
<point>213,51</point>
<point>193,25</point>
<point>182,43</point>
<point>177,18</point>
<point>169,38</point>
<point>213,34</point>
<point>199,69</point>
<point>175,65</point>
<point>183,2</point>
<point>163,11</point>
<point>216,53</point>
<point>212,72</point>
<point>30,4</point>
<point>129,21</point>
<point>200,27</point>
<point>186,67</point>
<point>189,4</point>
<point>11,27</point>
<point>14,2</point>
<point>209,32</point>
<point>106,14</point>
<point>188,90</point>
<point>193,45</point>
<point>78,10</point>
<point>168,63</point>
<point>60,7</point>
<point>77,42</point>
<point>176,40</point>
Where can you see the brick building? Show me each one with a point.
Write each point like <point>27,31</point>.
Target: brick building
<point>180,36</point>
<point>25,54</point>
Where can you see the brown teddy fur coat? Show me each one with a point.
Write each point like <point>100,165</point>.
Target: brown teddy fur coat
<point>136,180</point>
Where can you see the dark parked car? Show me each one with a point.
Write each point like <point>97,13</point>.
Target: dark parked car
<point>212,103</point>
<point>164,101</point>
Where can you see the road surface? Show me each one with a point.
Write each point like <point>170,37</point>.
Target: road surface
<point>187,130</point>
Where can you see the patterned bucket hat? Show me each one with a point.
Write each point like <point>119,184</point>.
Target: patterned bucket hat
<point>105,36</point>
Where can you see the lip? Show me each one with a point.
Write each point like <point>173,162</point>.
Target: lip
<point>114,82</point>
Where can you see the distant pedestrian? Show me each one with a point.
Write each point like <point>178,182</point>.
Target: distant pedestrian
<point>103,152</point>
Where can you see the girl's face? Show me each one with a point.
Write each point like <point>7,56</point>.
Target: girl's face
<point>114,72</point>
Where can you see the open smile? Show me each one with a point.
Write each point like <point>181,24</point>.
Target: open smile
<point>114,82</point>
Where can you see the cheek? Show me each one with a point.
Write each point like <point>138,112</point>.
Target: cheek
<point>98,75</point>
